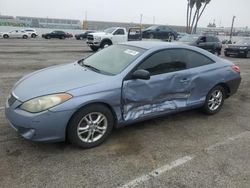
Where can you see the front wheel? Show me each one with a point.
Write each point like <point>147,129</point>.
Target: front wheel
<point>33,35</point>
<point>90,126</point>
<point>6,36</point>
<point>105,44</point>
<point>94,48</point>
<point>214,100</point>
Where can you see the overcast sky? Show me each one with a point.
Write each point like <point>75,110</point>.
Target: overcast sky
<point>165,11</point>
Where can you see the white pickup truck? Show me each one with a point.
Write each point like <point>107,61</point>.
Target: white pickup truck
<point>112,35</point>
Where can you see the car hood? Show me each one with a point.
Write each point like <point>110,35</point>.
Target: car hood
<point>57,79</point>
<point>99,34</point>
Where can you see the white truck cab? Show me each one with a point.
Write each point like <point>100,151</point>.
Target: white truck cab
<point>109,36</point>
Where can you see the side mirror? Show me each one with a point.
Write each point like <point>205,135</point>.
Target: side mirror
<point>141,74</point>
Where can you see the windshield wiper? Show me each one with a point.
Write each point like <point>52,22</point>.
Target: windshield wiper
<point>92,68</point>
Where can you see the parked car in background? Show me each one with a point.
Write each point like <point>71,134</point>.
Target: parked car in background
<point>160,32</point>
<point>112,35</point>
<point>15,34</point>
<point>209,43</point>
<point>180,35</point>
<point>32,32</point>
<point>56,34</point>
<point>83,35</point>
<point>240,48</point>
<point>69,35</point>
<point>119,85</point>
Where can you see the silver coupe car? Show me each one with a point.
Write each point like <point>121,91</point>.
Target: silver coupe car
<point>119,85</point>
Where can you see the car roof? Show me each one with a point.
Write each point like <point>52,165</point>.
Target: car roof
<point>158,45</point>
<point>153,44</point>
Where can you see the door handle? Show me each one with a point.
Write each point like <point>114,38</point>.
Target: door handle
<point>184,80</point>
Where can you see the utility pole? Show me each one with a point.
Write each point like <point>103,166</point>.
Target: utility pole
<point>231,33</point>
<point>85,23</point>
<point>141,20</point>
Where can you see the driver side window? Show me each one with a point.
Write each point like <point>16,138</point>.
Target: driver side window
<point>119,32</point>
<point>164,62</point>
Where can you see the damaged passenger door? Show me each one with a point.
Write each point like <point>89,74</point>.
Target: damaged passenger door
<point>167,89</point>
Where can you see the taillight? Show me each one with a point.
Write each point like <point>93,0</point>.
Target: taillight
<point>235,68</point>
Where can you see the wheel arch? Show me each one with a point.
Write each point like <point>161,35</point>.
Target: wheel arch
<point>106,40</point>
<point>226,88</point>
<point>90,104</point>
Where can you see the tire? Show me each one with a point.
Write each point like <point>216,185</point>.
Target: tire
<point>216,53</point>
<point>105,44</point>
<point>33,35</point>
<point>5,36</point>
<point>248,54</point>
<point>25,36</point>
<point>226,54</point>
<point>62,37</point>
<point>214,100</point>
<point>151,36</point>
<point>48,37</point>
<point>83,132</point>
<point>94,48</point>
<point>171,38</point>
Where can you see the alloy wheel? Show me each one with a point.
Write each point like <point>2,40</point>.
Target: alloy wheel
<point>215,100</point>
<point>92,127</point>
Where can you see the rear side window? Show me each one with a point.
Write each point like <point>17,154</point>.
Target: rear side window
<point>194,59</point>
<point>174,60</point>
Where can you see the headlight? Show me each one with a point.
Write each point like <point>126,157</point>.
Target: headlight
<point>43,103</point>
<point>98,38</point>
<point>243,48</point>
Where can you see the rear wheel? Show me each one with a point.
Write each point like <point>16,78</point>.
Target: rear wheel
<point>48,37</point>
<point>151,36</point>
<point>33,35</point>
<point>25,36</point>
<point>216,52</point>
<point>226,54</point>
<point>90,126</point>
<point>62,37</point>
<point>214,100</point>
<point>171,38</point>
<point>248,54</point>
<point>6,36</point>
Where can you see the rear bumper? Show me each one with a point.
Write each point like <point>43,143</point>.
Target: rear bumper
<point>233,85</point>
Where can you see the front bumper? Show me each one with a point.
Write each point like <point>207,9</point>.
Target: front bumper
<point>93,43</point>
<point>46,126</point>
<point>236,52</point>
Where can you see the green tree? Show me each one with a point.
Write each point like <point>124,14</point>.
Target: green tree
<point>200,6</point>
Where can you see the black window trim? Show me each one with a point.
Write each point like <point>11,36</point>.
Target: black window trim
<point>129,75</point>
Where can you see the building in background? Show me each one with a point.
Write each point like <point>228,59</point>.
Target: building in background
<point>49,22</point>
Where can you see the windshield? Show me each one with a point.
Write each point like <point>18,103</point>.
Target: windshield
<point>112,60</point>
<point>243,42</point>
<point>110,30</point>
<point>152,28</point>
<point>188,38</point>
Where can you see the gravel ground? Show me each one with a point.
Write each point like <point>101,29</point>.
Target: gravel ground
<point>216,146</point>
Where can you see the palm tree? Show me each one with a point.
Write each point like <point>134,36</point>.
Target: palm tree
<point>198,4</point>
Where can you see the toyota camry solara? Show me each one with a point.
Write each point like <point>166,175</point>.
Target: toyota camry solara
<point>119,85</point>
